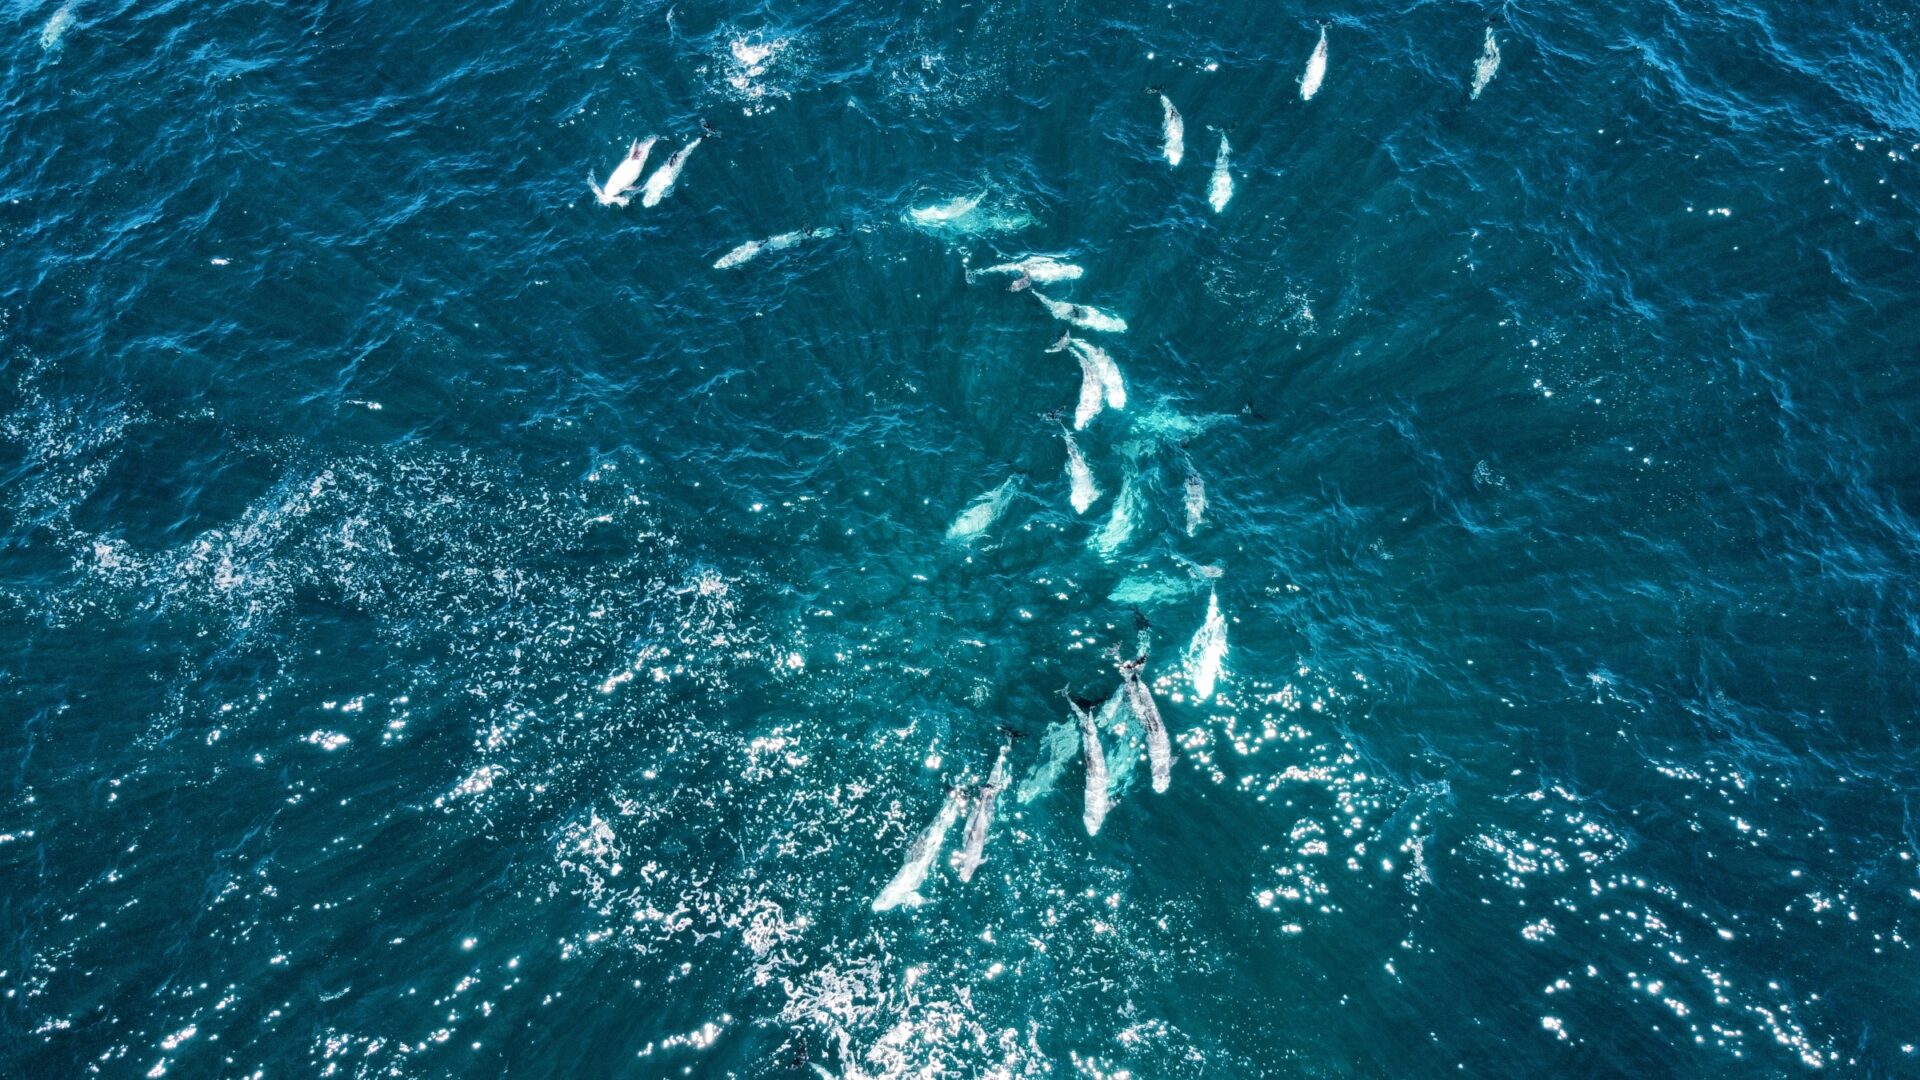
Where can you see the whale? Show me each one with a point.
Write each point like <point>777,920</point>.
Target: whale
<point>1173,132</point>
<point>1220,188</point>
<point>973,845</point>
<point>624,174</point>
<point>1087,318</point>
<point>1140,698</point>
<point>660,184</point>
<point>1097,801</point>
<point>1484,67</point>
<point>905,886</point>
<point>1316,69</point>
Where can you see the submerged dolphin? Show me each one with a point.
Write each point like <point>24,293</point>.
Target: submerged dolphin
<point>1097,802</point>
<point>1208,649</point>
<point>1087,318</point>
<point>1174,131</point>
<point>974,847</point>
<point>1159,750</point>
<point>983,511</point>
<point>1221,188</point>
<point>1488,63</point>
<point>905,886</point>
<point>624,174</point>
<point>1042,269</point>
<point>1083,491</point>
<point>1316,69</point>
<point>751,250</point>
<point>942,213</point>
<point>1196,502</point>
<point>662,181</point>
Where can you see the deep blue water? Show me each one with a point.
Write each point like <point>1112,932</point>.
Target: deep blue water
<point>449,628</point>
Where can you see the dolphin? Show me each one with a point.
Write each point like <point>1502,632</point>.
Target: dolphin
<point>1111,388</point>
<point>1159,750</point>
<point>1084,492</point>
<point>1316,68</point>
<point>1488,63</point>
<point>624,174</point>
<point>983,511</point>
<point>1196,502</point>
<point>905,886</point>
<point>751,250</point>
<point>1097,802</point>
<point>1208,649</point>
<point>1174,131</point>
<point>942,213</point>
<point>660,184</point>
<point>1087,318</point>
<point>1092,383</point>
<point>1043,269</point>
<point>973,848</point>
<point>1221,187</point>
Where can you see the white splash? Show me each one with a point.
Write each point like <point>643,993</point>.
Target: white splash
<point>1488,63</point>
<point>1208,650</point>
<point>1174,130</point>
<point>980,514</point>
<point>905,886</point>
<point>1316,69</point>
<point>1221,188</point>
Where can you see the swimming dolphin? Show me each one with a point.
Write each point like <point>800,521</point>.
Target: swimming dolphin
<point>1208,649</point>
<point>983,511</point>
<point>1174,131</point>
<point>1097,802</point>
<point>662,181</point>
<point>1488,63</point>
<point>1196,501</point>
<point>1087,318</point>
<point>942,213</point>
<point>751,250</point>
<point>1159,750</point>
<point>1220,189</point>
<point>624,174</point>
<point>1316,69</point>
<point>1043,269</point>
<point>905,886</point>
<point>1112,389</point>
<point>1092,384</point>
<point>973,848</point>
<point>1083,492</point>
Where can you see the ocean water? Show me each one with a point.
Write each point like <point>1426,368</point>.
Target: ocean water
<point>449,628</point>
